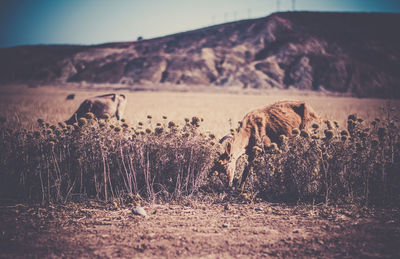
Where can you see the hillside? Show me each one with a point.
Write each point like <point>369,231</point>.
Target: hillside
<point>354,53</point>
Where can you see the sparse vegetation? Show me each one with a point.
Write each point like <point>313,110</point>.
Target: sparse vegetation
<point>358,165</point>
<point>111,160</point>
<point>96,161</point>
<point>104,159</point>
<point>162,156</point>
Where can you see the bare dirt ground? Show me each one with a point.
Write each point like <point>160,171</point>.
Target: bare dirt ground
<point>194,230</point>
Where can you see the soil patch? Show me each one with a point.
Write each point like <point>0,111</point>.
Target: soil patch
<point>198,230</point>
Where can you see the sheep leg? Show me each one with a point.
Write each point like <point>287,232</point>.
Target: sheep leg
<point>247,170</point>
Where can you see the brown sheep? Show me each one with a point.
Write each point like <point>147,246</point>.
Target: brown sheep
<point>113,104</point>
<point>263,125</point>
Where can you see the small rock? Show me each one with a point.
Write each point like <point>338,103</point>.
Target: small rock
<point>70,97</point>
<point>259,209</point>
<point>342,217</point>
<point>227,207</point>
<point>296,231</point>
<point>138,210</point>
<point>225,225</point>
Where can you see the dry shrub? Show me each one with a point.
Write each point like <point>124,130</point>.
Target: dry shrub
<point>103,159</point>
<point>360,165</point>
<point>166,161</point>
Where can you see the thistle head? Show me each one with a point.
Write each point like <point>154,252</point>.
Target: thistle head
<point>70,128</point>
<point>195,121</point>
<point>350,124</point>
<point>106,116</point>
<point>329,134</point>
<point>304,134</point>
<point>117,129</point>
<point>171,124</point>
<point>82,122</point>
<point>257,149</point>
<point>62,125</point>
<point>352,117</point>
<point>273,147</point>
<point>158,130</point>
<point>89,116</point>
<point>283,138</point>
<point>336,124</point>
<point>344,133</point>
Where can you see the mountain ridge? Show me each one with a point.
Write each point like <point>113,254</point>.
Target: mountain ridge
<point>354,53</point>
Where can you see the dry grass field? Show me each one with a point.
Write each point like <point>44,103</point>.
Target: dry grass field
<point>220,111</point>
<point>82,216</point>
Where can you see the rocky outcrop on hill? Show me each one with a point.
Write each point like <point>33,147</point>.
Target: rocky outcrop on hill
<point>354,53</point>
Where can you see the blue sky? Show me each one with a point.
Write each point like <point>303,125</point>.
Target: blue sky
<point>27,22</point>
